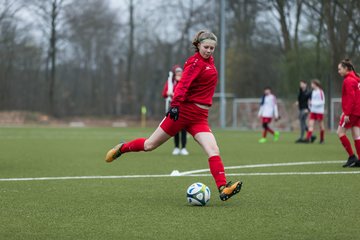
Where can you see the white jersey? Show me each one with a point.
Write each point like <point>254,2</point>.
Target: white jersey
<point>317,103</point>
<point>269,108</point>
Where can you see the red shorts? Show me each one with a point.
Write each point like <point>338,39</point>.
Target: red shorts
<point>354,121</point>
<point>191,118</point>
<point>266,120</point>
<point>316,116</point>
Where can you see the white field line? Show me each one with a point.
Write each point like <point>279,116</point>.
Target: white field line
<point>262,165</point>
<point>278,174</point>
<point>196,173</point>
<point>81,177</point>
<point>166,175</point>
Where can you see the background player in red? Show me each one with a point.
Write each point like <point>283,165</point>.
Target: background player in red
<point>268,110</point>
<point>189,109</point>
<point>317,109</point>
<point>168,94</point>
<point>350,117</point>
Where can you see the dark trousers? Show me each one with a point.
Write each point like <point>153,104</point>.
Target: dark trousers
<point>303,126</point>
<point>183,139</point>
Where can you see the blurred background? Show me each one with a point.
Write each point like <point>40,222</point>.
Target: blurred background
<point>104,59</point>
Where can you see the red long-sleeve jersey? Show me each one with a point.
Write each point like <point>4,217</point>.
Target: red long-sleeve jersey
<point>350,99</point>
<point>166,87</point>
<point>198,82</point>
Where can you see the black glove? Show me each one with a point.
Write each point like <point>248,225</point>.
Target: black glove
<point>173,113</point>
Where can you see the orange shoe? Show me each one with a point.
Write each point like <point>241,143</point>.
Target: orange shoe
<point>229,190</point>
<point>113,153</point>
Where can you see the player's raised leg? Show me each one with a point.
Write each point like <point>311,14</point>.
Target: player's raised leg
<point>208,142</point>
<point>140,144</point>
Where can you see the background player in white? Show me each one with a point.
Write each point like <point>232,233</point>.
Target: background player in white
<point>168,93</point>
<point>268,110</point>
<point>317,108</point>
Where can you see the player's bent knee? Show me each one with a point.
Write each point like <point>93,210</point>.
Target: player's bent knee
<point>149,146</point>
<point>340,132</point>
<point>213,151</point>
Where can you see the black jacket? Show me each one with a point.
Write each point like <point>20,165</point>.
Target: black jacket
<point>303,98</point>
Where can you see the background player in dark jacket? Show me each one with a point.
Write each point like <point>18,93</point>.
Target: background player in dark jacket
<point>303,104</point>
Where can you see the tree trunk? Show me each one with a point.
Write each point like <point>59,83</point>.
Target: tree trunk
<point>336,50</point>
<point>318,42</point>
<point>130,57</point>
<point>52,56</point>
<point>298,16</point>
<point>299,4</point>
<point>280,6</point>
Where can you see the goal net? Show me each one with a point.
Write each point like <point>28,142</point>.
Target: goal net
<point>245,114</point>
<point>336,111</point>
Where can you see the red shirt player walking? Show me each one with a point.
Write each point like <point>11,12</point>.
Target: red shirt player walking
<point>350,118</point>
<point>189,110</point>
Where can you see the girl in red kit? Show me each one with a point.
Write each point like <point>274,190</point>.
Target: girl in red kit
<point>168,94</point>
<point>350,118</point>
<point>189,110</point>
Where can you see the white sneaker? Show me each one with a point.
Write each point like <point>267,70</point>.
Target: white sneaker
<point>184,152</point>
<point>176,151</point>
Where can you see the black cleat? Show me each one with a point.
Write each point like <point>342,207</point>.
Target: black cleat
<point>313,138</point>
<point>357,164</point>
<point>300,140</point>
<point>351,162</point>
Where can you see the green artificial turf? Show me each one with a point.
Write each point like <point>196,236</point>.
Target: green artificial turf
<point>268,207</point>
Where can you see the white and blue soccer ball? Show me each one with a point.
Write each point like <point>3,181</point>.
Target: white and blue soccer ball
<point>198,194</point>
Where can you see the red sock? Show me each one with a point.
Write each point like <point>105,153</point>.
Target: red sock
<point>270,131</point>
<point>308,135</point>
<point>347,145</point>
<point>264,133</point>
<point>322,134</point>
<point>357,146</point>
<point>217,170</point>
<point>133,146</point>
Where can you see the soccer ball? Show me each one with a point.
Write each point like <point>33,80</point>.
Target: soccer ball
<point>198,194</point>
